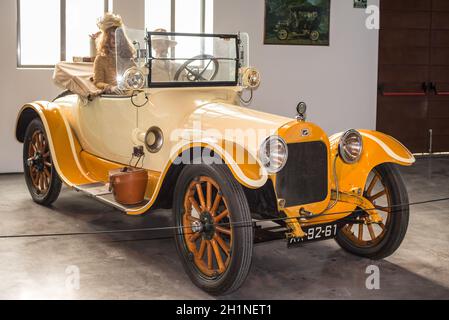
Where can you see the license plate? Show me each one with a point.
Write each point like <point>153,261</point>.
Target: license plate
<point>315,233</point>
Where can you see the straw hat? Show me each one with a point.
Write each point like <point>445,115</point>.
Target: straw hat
<point>109,20</point>
<point>162,38</point>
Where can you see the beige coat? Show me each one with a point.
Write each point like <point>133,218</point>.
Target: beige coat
<point>105,71</point>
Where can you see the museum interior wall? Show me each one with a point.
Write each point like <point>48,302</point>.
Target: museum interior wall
<point>19,86</point>
<point>337,82</point>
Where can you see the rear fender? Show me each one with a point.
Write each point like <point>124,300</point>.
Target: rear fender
<point>63,144</point>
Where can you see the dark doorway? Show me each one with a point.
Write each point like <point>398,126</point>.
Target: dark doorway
<point>413,98</point>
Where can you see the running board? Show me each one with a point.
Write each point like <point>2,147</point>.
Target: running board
<point>267,231</point>
<point>100,191</point>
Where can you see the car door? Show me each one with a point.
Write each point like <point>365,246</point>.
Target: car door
<point>106,126</point>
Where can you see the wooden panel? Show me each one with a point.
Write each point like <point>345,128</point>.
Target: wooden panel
<point>405,38</point>
<point>440,38</point>
<point>414,109</point>
<point>440,56</point>
<point>402,117</point>
<point>440,20</point>
<point>414,49</point>
<point>439,108</point>
<point>439,74</point>
<point>401,73</point>
<point>440,143</point>
<point>404,55</point>
<point>400,20</point>
<point>406,5</point>
<point>440,5</point>
<point>439,126</point>
<point>438,105</point>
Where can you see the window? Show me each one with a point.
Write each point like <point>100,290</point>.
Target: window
<point>62,32</point>
<point>191,16</point>
<point>187,16</point>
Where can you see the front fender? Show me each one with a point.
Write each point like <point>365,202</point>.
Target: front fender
<point>378,148</point>
<point>245,168</point>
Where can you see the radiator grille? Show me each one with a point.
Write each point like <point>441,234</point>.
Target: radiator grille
<point>304,178</point>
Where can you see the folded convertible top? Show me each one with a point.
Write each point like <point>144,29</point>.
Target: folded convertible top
<point>77,78</point>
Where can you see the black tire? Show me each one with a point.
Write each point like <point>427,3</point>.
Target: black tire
<point>282,34</point>
<point>396,227</point>
<point>53,184</point>
<point>242,233</point>
<point>314,35</point>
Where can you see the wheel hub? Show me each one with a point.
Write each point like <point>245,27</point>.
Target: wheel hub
<point>37,161</point>
<point>207,225</point>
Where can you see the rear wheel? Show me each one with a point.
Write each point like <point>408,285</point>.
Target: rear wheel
<point>214,234</point>
<point>386,190</point>
<point>41,178</point>
<point>314,35</point>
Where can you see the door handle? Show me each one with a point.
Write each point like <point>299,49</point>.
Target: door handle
<point>424,87</point>
<point>433,86</point>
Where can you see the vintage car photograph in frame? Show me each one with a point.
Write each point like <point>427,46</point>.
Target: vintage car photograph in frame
<point>178,136</point>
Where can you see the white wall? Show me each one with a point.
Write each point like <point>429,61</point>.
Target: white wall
<point>339,82</point>
<point>19,86</point>
<point>132,12</point>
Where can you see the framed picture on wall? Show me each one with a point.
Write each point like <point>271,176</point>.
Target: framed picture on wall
<point>297,22</point>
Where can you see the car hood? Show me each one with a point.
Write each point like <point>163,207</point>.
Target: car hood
<point>223,121</point>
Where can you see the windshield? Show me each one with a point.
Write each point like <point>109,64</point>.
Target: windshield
<point>192,59</point>
<point>161,59</point>
<point>131,52</point>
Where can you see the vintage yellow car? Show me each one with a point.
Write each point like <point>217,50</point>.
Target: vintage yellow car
<point>232,175</point>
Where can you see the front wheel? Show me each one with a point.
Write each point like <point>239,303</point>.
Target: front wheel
<point>386,190</point>
<point>282,34</point>
<point>214,236</point>
<point>41,177</point>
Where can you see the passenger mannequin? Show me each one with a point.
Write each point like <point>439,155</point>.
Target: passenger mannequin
<point>105,65</point>
<point>163,70</point>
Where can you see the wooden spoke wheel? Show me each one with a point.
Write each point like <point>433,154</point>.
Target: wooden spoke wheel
<point>214,234</point>
<point>208,228</point>
<point>386,190</point>
<point>364,233</point>
<point>42,179</point>
<point>39,162</point>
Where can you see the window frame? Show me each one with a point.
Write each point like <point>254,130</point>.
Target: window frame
<point>173,84</point>
<point>173,16</point>
<point>63,36</point>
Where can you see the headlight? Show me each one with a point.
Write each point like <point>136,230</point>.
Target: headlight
<point>273,154</point>
<point>350,147</point>
<point>251,78</point>
<point>134,79</point>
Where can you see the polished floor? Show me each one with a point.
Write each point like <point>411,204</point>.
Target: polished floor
<point>129,266</point>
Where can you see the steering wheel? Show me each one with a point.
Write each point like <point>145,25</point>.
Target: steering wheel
<point>195,73</point>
